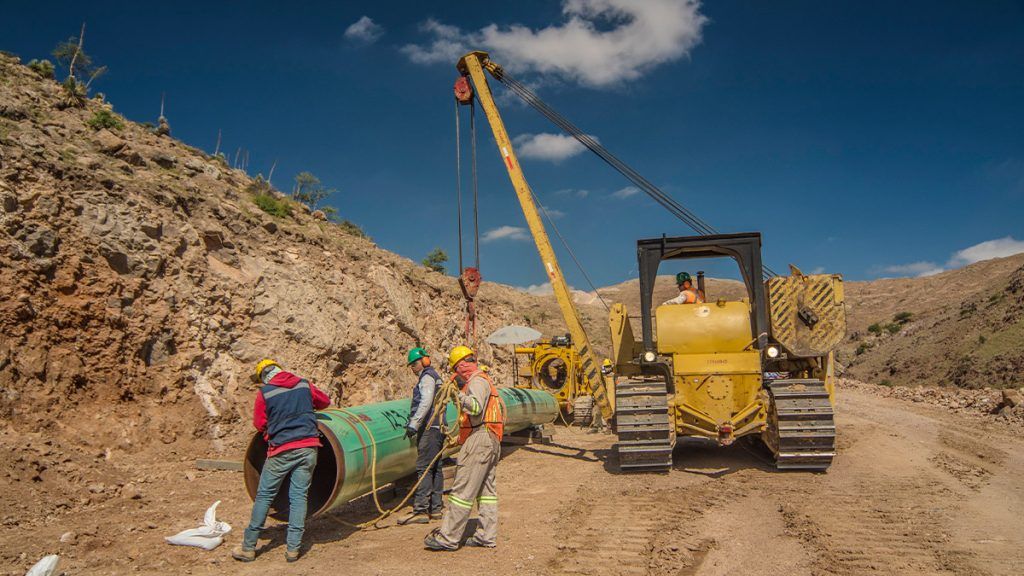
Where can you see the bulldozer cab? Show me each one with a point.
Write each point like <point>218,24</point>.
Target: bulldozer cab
<point>744,248</point>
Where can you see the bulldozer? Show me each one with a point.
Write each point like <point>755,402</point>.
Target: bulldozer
<point>761,366</point>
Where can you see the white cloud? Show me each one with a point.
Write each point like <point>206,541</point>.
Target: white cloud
<point>505,233</point>
<point>546,146</point>
<point>818,270</point>
<point>573,192</point>
<point>554,213</point>
<point>600,43</point>
<point>544,289</point>
<point>918,269</point>
<point>447,46</point>
<point>364,30</point>
<point>998,248</point>
<point>626,192</point>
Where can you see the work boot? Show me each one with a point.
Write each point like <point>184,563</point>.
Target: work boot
<point>415,517</point>
<point>431,543</point>
<point>242,554</point>
<point>474,542</point>
<point>291,555</point>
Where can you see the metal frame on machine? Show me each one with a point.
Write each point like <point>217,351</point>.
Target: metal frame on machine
<point>745,248</point>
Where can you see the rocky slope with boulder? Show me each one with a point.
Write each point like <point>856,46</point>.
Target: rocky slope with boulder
<point>142,282</point>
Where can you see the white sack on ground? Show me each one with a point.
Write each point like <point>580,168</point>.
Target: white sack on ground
<point>208,536</point>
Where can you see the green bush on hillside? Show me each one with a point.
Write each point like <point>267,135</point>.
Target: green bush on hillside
<point>893,328</point>
<point>352,228</point>
<point>875,328</point>
<point>273,206</point>
<point>902,317</point>
<point>105,119</point>
<point>44,68</point>
<point>436,260</point>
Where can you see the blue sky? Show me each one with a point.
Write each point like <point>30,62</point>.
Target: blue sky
<point>867,138</point>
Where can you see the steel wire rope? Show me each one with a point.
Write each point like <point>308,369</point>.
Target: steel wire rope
<point>674,207</point>
<point>568,249</point>
<point>449,392</point>
<point>476,196</point>
<point>458,179</point>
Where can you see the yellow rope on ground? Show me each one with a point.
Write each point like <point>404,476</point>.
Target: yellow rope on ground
<point>448,392</point>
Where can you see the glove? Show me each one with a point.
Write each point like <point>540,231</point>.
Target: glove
<point>410,431</point>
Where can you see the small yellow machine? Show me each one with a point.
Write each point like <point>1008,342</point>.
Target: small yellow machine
<point>555,365</point>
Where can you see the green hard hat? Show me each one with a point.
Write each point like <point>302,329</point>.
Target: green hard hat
<point>683,277</point>
<point>416,354</point>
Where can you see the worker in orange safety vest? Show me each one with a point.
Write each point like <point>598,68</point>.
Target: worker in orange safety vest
<point>687,293</point>
<point>481,427</point>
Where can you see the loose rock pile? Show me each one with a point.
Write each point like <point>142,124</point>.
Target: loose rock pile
<point>1000,405</point>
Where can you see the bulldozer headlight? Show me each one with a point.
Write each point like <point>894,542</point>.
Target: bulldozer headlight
<point>772,351</point>
<point>650,356</point>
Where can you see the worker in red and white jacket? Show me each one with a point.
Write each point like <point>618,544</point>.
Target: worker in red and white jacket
<point>284,413</point>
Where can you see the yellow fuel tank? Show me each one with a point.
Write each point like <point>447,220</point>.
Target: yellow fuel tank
<point>717,375</point>
<point>705,328</point>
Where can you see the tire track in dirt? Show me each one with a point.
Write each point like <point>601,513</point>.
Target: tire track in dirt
<point>635,532</point>
<point>970,475</point>
<point>894,527</point>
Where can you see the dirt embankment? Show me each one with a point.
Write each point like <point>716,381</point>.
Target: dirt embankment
<point>142,282</point>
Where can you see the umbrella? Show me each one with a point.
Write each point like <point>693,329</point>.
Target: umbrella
<point>513,335</point>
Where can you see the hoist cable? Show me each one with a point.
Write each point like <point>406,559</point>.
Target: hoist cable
<point>476,196</point>
<point>458,179</point>
<point>568,249</point>
<point>663,199</point>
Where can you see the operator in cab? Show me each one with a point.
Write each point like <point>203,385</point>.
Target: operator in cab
<point>687,293</point>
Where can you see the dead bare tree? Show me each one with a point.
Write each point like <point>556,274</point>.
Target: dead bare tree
<point>78,50</point>
<point>271,175</point>
<point>216,150</point>
<point>163,127</point>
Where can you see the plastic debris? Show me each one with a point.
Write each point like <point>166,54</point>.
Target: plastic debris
<point>208,536</point>
<point>45,567</point>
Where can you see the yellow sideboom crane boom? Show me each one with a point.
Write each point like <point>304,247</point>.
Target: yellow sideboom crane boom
<point>473,65</point>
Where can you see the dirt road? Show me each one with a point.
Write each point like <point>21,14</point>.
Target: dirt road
<point>915,490</point>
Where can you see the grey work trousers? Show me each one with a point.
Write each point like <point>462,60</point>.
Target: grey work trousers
<point>474,481</point>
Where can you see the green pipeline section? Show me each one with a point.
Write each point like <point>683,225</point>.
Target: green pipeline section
<point>349,435</point>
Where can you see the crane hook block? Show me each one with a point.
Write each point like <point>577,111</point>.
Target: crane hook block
<point>463,90</point>
<point>470,282</point>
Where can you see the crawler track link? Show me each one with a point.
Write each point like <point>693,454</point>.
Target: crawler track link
<point>644,426</point>
<point>802,424</point>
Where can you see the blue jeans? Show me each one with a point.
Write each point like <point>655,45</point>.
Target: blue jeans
<point>428,493</point>
<point>300,462</point>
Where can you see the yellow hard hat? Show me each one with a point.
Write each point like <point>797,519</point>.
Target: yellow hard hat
<point>458,354</point>
<point>263,365</point>
<point>606,363</point>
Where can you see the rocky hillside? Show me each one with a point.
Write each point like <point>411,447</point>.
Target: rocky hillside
<point>960,328</point>
<point>142,282</point>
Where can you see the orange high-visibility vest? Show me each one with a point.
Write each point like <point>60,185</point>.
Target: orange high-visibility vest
<point>494,412</point>
<point>690,296</point>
